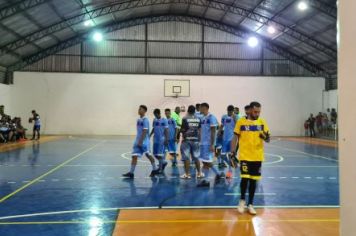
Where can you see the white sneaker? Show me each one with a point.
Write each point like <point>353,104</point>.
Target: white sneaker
<point>251,210</point>
<point>241,207</point>
<point>200,175</point>
<point>185,176</point>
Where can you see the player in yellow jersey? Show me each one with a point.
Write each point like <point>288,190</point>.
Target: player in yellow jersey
<point>250,134</point>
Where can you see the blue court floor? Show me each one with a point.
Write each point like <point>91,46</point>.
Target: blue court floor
<point>73,186</point>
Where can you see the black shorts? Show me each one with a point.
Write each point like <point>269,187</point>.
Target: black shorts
<point>251,169</point>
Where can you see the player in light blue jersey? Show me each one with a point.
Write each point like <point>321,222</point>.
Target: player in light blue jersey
<point>160,138</point>
<point>172,137</point>
<point>208,129</point>
<point>228,122</point>
<point>142,144</point>
<point>237,113</point>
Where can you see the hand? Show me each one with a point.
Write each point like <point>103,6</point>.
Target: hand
<point>140,144</point>
<point>165,142</point>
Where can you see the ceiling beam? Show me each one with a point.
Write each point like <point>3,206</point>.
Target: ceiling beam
<point>238,31</point>
<point>142,3</point>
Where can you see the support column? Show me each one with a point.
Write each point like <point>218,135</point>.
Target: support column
<point>347,115</point>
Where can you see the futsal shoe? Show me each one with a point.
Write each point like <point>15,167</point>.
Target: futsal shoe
<point>219,176</point>
<point>200,175</point>
<point>229,175</point>
<point>204,183</point>
<point>185,176</point>
<point>241,207</point>
<point>154,173</point>
<point>251,210</point>
<point>128,175</point>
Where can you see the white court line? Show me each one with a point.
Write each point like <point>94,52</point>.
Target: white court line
<point>256,194</point>
<point>305,153</point>
<point>94,210</point>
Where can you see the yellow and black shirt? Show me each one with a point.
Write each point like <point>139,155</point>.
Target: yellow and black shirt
<point>250,143</point>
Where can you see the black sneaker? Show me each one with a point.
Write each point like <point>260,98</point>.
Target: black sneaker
<point>204,183</point>
<point>154,173</point>
<point>220,176</point>
<point>128,175</point>
<point>164,166</point>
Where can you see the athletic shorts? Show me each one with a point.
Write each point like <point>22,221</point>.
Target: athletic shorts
<point>140,151</point>
<point>36,127</point>
<point>219,142</point>
<point>172,147</point>
<point>251,169</point>
<point>189,150</point>
<point>206,155</point>
<point>159,149</point>
<point>226,147</point>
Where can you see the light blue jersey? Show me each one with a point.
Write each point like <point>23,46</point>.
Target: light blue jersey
<point>143,124</point>
<point>199,115</point>
<point>206,123</point>
<point>172,126</point>
<point>228,124</point>
<point>159,125</point>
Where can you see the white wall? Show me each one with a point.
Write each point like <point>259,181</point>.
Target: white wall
<point>107,104</point>
<point>347,114</point>
<point>330,100</point>
<point>5,97</point>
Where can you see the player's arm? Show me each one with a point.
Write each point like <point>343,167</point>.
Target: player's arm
<point>236,138</point>
<point>153,128</point>
<point>143,135</point>
<point>212,137</point>
<point>265,135</point>
<point>166,133</point>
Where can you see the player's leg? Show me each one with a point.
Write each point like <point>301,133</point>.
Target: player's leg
<point>172,149</point>
<point>206,156</point>
<point>136,152</point>
<point>195,153</point>
<point>255,175</point>
<point>185,152</point>
<point>38,133</point>
<point>158,152</point>
<point>243,186</point>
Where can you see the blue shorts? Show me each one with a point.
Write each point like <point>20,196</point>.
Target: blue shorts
<point>172,146</point>
<point>140,151</point>
<point>159,149</point>
<point>206,155</point>
<point>36,127</point>
<point>219,142</point>
<point>226,147</point>
<point>189,150</point>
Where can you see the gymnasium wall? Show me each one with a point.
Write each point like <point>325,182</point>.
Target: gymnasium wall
<point>5,97</point>
<point>106,104</point>
<point>330,99</point>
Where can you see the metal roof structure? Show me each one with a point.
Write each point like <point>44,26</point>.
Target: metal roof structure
<point>32,30</point>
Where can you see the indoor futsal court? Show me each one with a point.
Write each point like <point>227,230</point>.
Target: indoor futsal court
<point>171,117</point>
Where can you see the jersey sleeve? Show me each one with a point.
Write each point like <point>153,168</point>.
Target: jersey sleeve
<point>213,121</point>
<point>146,124</point>
<point>237,129</point>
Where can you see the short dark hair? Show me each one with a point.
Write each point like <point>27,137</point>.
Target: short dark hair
<point>197,105</point>
<point>230,108</point>
<point>167,109</point>
<point>33,111</point>
<point>156,111</point>
<point>191,109</point>
<point>143,107</point>
<point>247,107</point>
<point>204,104</point>
<point>255,104</point>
